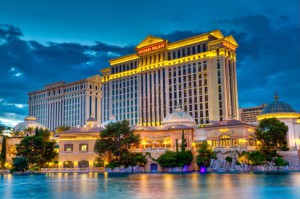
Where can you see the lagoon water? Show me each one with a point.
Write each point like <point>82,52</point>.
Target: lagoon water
<point>157,185</point>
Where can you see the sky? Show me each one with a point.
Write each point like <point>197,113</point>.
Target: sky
<point>45,41</point>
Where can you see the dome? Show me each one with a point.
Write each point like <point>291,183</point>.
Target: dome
<point>91,119</point>
<point>30,122</point>
<point>278,107</point>
<point>178,117</point>
<point>112,119</point>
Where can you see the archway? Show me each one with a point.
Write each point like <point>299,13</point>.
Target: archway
<point>68,164</point>
<point>153,167</point>
<point>83,164</point>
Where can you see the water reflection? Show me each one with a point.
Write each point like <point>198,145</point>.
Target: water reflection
<point>188,185</point>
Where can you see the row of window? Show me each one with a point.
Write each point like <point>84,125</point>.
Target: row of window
<point>82,147</point>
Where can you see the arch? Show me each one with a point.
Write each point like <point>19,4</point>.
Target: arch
<point>83,164</point>
<point>153,167</point>
<point>68,164</point>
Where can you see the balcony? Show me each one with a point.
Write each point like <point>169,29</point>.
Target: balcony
<point>155,149</point>
<point>234,148</point>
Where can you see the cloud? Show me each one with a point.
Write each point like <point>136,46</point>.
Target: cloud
<point>30,65</point>
<point>268,59</point>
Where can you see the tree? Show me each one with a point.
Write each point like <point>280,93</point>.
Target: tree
<point>60,129</point>
<point>32,148</point>
<point>115,142</point>
<point>272,134</point>
<point>20,164</point>
<point>38,149</point>
<point>3,152</point>
<point>2,128</point>
<point>44,133</point>
<point>182,142</point>
<point>256,158</point>
<point>205,153</point>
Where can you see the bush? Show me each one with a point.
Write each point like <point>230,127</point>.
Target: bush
<point>139,159</point>
<point>280,162</point>
<point>168,159</point>
<point>285,148</point>
<point>205,153</point>
<point>113,164</point>
<point>256,158</point>
<point>214,156</point>
<point>20,164</point>
<point>237,163</point>
<point>184,158</point>
<point>228,159</point>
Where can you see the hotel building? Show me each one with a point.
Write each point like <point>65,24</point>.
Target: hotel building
<point>197,73</point>
<point>249,114</point>
<point>68,104</point>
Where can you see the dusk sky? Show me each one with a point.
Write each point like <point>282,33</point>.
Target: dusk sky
<point>45,41</point>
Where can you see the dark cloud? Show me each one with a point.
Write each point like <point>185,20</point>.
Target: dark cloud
<point>178,35</point>
<point>268,59</point>
<point>29,65</point>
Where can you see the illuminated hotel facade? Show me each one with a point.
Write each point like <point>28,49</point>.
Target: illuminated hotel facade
<point>67,104</point>
<point>197,73</point>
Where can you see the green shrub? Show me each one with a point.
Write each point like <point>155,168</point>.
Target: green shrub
<point>168,159</point>
<point>20,164</point>
<point>279,161</point>
<point>113,164</point>
<point>205,153</point>
<point>214,156</point>
<point>237,163</point>
<point>228,159</point>
<point>256,158</point>
<point>139,159</point>
<point>184,158</point>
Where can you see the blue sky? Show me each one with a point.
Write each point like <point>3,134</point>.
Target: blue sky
<point>43,41</point>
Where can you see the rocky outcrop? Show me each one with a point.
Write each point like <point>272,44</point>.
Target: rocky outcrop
<point>134,169</point>
<point>221,165</point>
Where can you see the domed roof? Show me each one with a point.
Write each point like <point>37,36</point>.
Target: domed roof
<point>30,122</point>
<point>112,119</point>
<point>178,117</point>
<point>277,107</point>
<point>91,119</point>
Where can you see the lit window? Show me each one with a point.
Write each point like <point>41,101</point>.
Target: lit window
<point>68,147</point>
<point>83,147</point>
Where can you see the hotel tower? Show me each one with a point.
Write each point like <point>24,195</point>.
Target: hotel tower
<point>197,73</point>
<point>66,104</point>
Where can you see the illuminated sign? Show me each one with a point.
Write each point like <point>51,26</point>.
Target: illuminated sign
<point>151,48</point>
<point>232,47</point>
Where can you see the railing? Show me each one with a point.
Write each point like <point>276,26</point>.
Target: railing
<point>150,149</point>
<point>233,148</point>
<point>92,169</point>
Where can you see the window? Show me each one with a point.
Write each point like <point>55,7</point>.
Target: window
<point>83,147</point>
<point>225,141</point>
<point>68,147</point>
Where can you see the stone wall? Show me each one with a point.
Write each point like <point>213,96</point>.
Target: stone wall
<point>221,165</point>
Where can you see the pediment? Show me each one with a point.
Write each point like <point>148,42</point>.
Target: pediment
<point>231,40</point>
<point>149,40</point>
<point>217,33</point>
